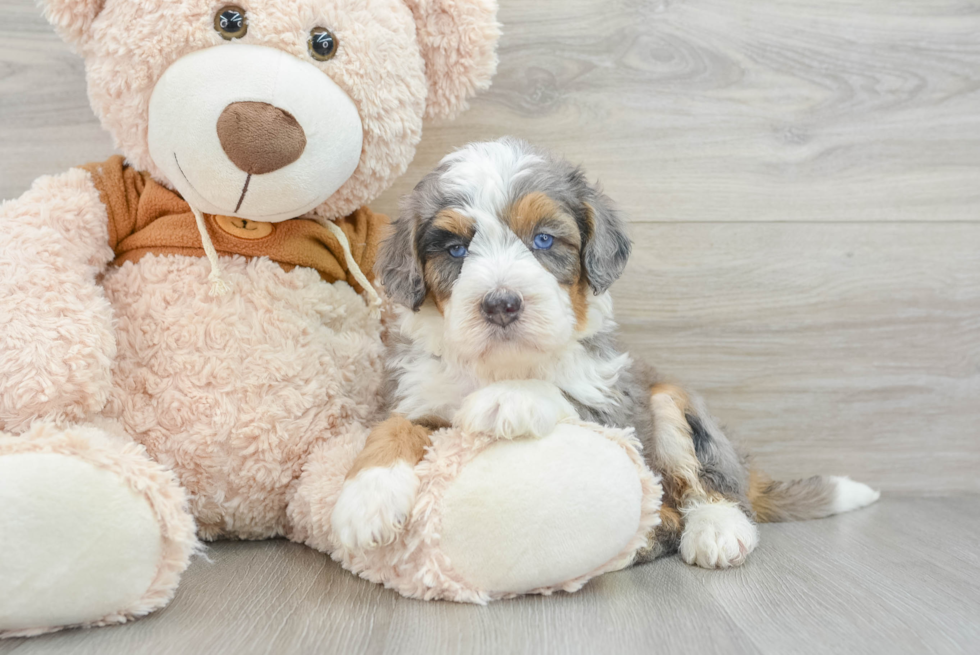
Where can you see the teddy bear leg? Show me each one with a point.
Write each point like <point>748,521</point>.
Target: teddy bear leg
<point>315,493</point>
<point>92,531</point>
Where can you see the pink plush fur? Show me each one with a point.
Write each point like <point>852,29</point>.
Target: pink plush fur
<point>72,18</point>
<point>458,47</point>
<point>233,392</point>
<point>57,341</point>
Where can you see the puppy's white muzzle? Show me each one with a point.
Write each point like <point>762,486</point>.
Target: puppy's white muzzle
<point>506,312</point>
<point>297,143</point>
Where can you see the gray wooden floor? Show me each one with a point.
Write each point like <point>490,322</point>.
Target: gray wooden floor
<point>898,577</point>
<point>803,179</point>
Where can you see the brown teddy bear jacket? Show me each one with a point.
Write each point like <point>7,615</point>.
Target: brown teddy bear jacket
<point>145,217</point>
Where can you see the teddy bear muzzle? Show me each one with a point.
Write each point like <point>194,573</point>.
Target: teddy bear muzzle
<point>253,132</point>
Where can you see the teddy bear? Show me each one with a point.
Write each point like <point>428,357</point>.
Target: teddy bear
<point>188,330</point>
<point>191,343</point>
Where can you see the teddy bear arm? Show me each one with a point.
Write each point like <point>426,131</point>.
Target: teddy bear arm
<point>57,341</point>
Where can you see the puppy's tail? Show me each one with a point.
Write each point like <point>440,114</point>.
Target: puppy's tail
<point>812,498</point>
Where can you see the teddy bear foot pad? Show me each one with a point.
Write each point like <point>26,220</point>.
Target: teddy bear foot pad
<point>79,546</point>
<point>527,514</point>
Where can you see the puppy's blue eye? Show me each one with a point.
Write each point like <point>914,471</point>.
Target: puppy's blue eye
<point>457,251</point>
<point>543,241</point>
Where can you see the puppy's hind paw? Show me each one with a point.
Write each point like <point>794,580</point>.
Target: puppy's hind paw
<point>717,536</point>
<point>375,506</point>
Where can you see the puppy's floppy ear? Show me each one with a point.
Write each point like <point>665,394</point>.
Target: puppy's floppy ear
<point>458,39</point>
<point>606,245</point>
<point>399,267</point>
<point>72,18</point>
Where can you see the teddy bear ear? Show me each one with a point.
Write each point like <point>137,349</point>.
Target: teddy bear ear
<point>72,18</point>
<point>459,44</point>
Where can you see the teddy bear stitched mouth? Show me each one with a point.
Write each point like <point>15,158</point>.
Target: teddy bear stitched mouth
<point>240,199</point>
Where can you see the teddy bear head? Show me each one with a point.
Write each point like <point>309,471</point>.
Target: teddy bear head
<point>271,109</point>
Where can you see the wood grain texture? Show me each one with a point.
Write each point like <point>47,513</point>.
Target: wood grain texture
<point>875,581</point>
<point>803,178</point>
<point>824,348</point>
<point>770,110</point>
<point>703,110</point>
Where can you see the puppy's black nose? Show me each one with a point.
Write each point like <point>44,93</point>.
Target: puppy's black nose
<point>502,307</point>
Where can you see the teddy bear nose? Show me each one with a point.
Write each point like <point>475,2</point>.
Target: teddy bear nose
<point>259,137</point>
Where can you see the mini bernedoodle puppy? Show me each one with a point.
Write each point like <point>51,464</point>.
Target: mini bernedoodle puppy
<point>501,262</point>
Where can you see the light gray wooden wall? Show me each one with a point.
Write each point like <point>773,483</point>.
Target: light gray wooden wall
<point>803,178</point>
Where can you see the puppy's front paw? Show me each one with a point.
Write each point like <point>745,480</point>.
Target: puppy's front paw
<point>374,506</point>
<point>514,409</point>
<point>717,535</point>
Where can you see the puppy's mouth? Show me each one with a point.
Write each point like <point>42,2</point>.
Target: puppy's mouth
<point>506,333</point>
<point>508,351</point>
<point>497,335</point>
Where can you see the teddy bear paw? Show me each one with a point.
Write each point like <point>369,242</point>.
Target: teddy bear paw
<point>515,408</point>
<point>374,506</point>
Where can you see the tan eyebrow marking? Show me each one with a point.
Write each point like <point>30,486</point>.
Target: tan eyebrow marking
<point>455,222</point>
<point>524,217</point>
<point>531,209</point>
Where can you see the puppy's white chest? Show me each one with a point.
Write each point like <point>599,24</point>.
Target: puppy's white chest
<point>430,387</point>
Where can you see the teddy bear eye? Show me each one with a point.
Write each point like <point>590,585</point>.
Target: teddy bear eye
<point>230,22</point>
<point>322,44</point>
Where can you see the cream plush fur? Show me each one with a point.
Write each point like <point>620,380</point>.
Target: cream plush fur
<point>132,402</point>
